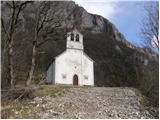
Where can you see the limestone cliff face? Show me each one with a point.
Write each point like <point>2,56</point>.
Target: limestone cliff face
<point>117,62</point>
<point>78,17</point>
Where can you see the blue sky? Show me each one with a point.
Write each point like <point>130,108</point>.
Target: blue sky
<point>125,15</point>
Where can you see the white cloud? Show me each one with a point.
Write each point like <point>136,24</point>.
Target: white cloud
<point>103,8</point>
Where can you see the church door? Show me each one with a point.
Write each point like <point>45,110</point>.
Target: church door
<point>75,80</point>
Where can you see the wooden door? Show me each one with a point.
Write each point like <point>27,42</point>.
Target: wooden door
<point>75,80</point>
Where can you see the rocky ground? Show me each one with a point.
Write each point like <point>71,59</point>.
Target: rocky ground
<point>85,102</point>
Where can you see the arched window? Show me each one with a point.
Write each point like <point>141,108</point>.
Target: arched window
<point>77,38</point>
<point>72,37</point>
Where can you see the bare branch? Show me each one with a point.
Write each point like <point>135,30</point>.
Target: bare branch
<point>20,8</point>
<point>150,27</point>
<point>3,26</point>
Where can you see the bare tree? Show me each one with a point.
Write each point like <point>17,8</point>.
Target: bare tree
<point>47,22</point>
<point>150,25</point>
<point>9,28</point>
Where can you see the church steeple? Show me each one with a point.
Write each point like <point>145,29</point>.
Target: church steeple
<point>75,40</point>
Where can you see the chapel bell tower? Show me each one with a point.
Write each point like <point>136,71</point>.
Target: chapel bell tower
<point>74,40</point>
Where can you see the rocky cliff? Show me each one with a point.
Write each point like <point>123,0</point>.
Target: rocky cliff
<point>117,62</point>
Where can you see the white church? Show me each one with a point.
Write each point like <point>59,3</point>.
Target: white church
<point>73,66</point>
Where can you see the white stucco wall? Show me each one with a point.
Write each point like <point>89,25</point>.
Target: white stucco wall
<point>73,62</point>
<point>51,73</point>
<point>88,70</point>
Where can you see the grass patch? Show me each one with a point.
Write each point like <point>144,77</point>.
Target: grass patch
<point>21,108</point>
<point>146,105</point>
<point>10,108</point>
<point>44,90</point>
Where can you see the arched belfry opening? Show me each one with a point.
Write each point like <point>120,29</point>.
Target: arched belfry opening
<point>75,79</point>
<point>77,38</point>
<point>72,37</point>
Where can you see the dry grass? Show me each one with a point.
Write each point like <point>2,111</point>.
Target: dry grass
<point>10,107</point>
<point>146,105</point>
<point>44,90</point>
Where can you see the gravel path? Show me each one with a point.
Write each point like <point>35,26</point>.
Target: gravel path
<point>89,102</point>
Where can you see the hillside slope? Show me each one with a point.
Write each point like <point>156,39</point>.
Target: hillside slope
<point>84,103</point>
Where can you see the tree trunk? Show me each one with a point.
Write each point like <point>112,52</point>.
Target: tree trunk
<point>5,80</point>
<point>12,82</point>
<point>32,65</point>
